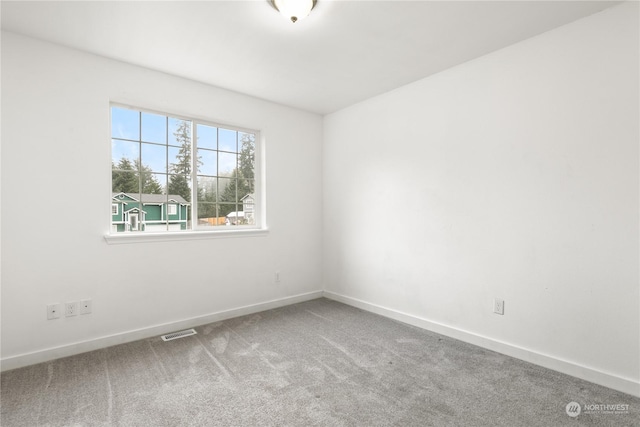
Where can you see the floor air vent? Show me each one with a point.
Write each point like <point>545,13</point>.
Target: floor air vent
<point>176,335</point>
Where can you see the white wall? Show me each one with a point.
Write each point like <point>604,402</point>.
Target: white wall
<point>56,187</point>
<point>514,175</point>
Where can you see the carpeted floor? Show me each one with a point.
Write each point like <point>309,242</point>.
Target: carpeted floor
<point>318,363</point>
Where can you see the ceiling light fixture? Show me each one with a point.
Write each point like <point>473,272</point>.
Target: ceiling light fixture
<point>294,10</point>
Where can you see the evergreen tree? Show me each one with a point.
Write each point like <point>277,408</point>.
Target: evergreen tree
<point>124,177</point>
<point>150,184</point>
<point>242,178</point>
<point>206,200</point>
<point>233,193</point>
<point>179,185</point>
<point>133,178</point>
<point>247,156</point>
<point>181,170</point>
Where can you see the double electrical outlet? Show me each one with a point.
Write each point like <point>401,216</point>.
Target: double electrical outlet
<point>72,308</point>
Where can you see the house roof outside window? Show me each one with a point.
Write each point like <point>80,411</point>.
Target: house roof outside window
<point>152,198</point>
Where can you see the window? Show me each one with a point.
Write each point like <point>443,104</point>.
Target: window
<point>173,173</point>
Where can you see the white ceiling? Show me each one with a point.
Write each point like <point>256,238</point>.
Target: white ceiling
<point>343,53</point>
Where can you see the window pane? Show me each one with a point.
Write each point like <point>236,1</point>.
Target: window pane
<point>209,162</point>
<point>172,153</point>
<point>248,205</point>
<point>179,132</point>
<point>153,176</point>
<point>206,189</point>
<point>125,182</point>
<point>153,217</point>
<point>153,199</point>
<point>207,137</point>
<point>227,140</point>
<point>179,186</point>
<point>226,190</point>
<point>129,213</point>
<point>224,209</point>
<point>180,160</point>
<point>185,224</point>
<point>160,226</point>
<point>246,187</point>
<point>154,128</point>
<point>157,200</point>
<point>154,157</point>
<point>227,163</point>
<point>125,123</point>
<point>246,160</point>
<point>154,183</point>
<point>124,153</point>
<point>208,215</point>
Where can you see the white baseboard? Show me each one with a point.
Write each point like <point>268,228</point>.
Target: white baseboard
<point>48,354</point>
<point>624,385</point>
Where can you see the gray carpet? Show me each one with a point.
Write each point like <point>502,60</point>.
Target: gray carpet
<point>318,363</point>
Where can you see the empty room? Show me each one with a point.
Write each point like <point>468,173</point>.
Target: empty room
<point>320,213</point>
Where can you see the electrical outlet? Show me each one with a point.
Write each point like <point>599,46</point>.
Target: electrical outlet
<point>85,306</point>
<point>71,309</point>
<point>53,311</point>
<point>276,277</point>
<point>498,306</point>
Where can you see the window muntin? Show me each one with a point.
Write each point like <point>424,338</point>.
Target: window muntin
<point>152,179</point>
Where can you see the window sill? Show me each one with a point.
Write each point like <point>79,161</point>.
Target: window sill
<point>148,237</point>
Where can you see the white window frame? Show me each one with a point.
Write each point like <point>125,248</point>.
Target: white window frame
<point>117,210</point>
<point>172,209</point>
<point>196,233</point>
